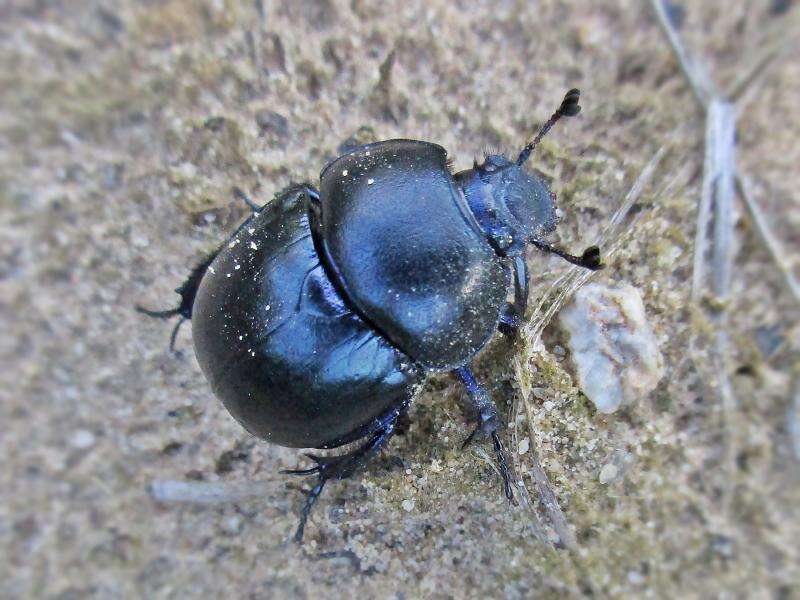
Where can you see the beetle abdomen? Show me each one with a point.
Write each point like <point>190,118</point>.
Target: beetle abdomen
<point>290,361</point>
<point>409,253</point>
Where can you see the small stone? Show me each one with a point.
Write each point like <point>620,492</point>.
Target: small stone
<point>408,505</point>
<point>608,473</point>
<point>112,175</point>
<point>635,578</point>
<point>232,525</point>
<point>524,446</point>
<point>82,439</point>
<point>612,345</point>
<point>540,392</point>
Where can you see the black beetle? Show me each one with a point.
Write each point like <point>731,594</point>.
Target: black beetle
<point>325,311</point>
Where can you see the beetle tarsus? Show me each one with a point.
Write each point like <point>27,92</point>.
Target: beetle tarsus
<point>311,499</point>
<point>510,321</point>
<point>502,463</point>
<point>481,404</point>
<point>343,466</point>
<point>174,335</point>
<point>240,195</point>
<point>471,438</point>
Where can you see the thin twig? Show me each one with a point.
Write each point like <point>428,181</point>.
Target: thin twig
<point>546,493</point>
<point>543,487</point>
<point>208,492</point>
<point>565,286</point>
<point>719,169</point>
<point>703,217</point>
<point>522,497</point>
<point>745,86</point>
<point>717,198</point>
<point>793,418</point>
<point>256,37</point>
<point>767,237</point>
<point>701,84</point>
<point>748,81</point>
<point>722,119</point>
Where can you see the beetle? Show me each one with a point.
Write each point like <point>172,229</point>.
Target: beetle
<point>322,315</point>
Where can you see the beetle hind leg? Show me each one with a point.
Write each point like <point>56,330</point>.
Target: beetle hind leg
<point>187,291</point>
<point>345,465</point>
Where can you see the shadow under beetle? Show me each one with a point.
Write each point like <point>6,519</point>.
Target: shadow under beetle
<point>326,310</point>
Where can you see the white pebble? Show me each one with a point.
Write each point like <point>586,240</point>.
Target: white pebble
<point>408,505</point>
<point>524,446</point>
<point>232,524</point>
<point>82,439</point>
<point>608,473</point>
<point>614,349</point>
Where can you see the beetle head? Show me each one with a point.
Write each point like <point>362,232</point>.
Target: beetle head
<point>512,206</point>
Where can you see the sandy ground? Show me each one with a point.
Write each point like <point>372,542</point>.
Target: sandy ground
<point>123,127</point>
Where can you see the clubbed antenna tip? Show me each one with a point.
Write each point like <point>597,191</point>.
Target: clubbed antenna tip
<point>569,108</point>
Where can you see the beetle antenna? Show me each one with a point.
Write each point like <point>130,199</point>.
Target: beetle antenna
<point>590,259</point>
<point>569,108</point>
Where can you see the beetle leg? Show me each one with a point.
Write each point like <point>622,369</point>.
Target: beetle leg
<point>488,424</point>
<point>187,292</point>
<point>240,195</point>
<point>305,188</point>
<point>345,465</point>
<point>512,315</point>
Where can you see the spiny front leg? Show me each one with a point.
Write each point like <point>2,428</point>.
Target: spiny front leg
<point>513,314</point>
<point>488,424</point>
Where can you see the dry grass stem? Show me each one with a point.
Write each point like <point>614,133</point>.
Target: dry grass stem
<point>216,492</point>
<point>767,237</point>
<point>557,294</point>
<point>704,90</point>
